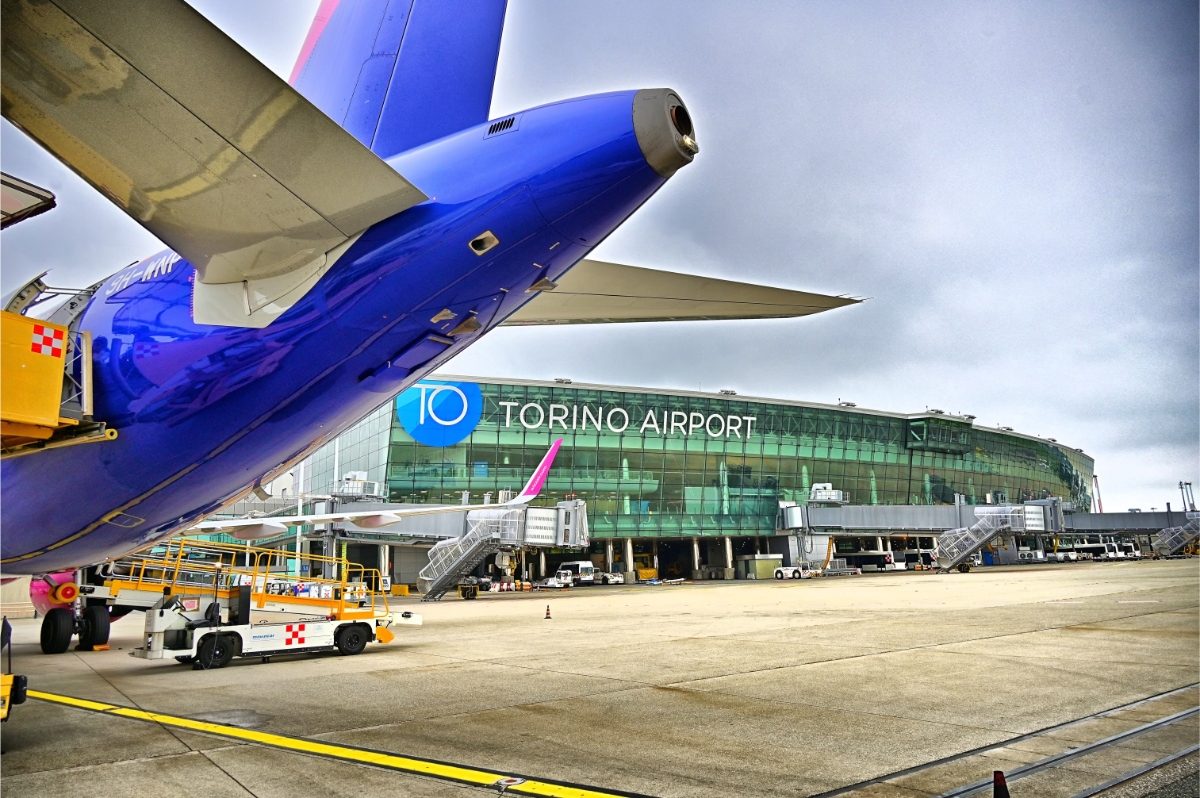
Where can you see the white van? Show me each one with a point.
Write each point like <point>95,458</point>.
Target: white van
<point>582,571</point>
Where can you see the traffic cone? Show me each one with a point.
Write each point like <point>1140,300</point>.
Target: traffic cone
<point>547,612</point>
<point>999,785</point>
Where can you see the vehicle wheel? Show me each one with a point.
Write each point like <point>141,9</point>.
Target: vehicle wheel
<point>964,568</point>
<point>779,574</point>
<point>215,651</point>
<point>187,660</point>
<point>57,628</point>
<point>604,580</point>
<point>94,629</point>
<point>795,574</point>
<point>351,639</point>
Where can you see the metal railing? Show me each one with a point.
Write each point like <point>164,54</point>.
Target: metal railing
<point>199,567</point>
<point>954,546</point>
<point>1174,538</point>
<point>488,531</point>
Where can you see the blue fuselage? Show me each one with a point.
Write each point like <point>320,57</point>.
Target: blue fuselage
<point>204,411</point>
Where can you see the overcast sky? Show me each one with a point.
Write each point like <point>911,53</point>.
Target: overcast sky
<point>1013,186</point>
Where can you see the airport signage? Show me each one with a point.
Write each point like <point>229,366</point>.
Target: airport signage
<point>618,420</point>
<point>439,413</point>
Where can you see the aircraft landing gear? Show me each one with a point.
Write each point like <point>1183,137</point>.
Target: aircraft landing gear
<point>60,624</point>
<point>93,627</point>
<point>57,628</point>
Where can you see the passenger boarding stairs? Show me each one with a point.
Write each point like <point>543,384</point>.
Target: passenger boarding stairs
<point>501,529</point>
<point>1173,539</point>
<point>955,546</point>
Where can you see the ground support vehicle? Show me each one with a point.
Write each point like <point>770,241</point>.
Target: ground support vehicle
<point>219,601</point>
<point>608,578</point>
<point>803,570</point>
<point>12,686</point>
<point>559,580</point>
<point>583,572</point>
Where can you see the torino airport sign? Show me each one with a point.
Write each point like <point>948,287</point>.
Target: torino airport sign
<point>438,413</point>
<point>616,419</point>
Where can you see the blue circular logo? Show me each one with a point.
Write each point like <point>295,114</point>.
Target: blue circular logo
<point>439,413</point>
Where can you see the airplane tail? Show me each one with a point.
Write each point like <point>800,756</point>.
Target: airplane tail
<point>399,73</point>
<point>534,486</point>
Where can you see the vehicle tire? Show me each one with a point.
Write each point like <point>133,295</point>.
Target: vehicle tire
<point>216,651</point>
<point>57,628</point>
<point>604,580</point>
<point>795,574</point>
<point>94,628</point>
<point>965,568</point>
<point>186,660</point>
<point>779,574</point>
<point>352,639</point>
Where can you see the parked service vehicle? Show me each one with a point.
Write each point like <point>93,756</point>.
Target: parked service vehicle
<point>214,606</point>
<point>560,579</point>
<point>12,686</point>
<point>583,572</point>
<point>1130,549</point>
<point>801,571</point>
<point>609,578</point>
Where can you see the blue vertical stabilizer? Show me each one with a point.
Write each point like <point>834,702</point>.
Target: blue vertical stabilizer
<point>399,73</point>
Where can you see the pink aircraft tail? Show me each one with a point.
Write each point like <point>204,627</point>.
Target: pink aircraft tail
<point>534,486</point>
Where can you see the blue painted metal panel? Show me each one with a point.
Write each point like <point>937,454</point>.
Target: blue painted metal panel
<point>402,73</point>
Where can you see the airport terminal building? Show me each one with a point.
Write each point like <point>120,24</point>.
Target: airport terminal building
<point>673,477</point>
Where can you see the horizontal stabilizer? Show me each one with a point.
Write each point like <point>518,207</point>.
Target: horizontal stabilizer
<point>190,135</point>
<point>596,292</point>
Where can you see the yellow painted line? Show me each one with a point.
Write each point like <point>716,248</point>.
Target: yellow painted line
<point>517,785</point>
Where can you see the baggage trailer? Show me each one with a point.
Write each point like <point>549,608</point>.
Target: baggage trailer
<point>220,601</point>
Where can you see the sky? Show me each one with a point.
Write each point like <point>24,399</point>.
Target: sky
<point>1012,186</point>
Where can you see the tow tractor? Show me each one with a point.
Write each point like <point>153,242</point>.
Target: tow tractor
<point>12,686</point>
<point>218,601</point>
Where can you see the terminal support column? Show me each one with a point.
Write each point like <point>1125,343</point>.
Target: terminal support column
<point>630,573</point>
<point>729,572</point>
<point>696,574</point>
<point>541,563</point>
<point>385,559</point>
<point>608,555</point>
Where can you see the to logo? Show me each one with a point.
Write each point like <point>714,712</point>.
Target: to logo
<point>440,413</point>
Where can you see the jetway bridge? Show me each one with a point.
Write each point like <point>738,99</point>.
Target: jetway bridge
<point>962,529</point>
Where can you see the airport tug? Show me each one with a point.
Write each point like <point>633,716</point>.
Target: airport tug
<point>225,601</point>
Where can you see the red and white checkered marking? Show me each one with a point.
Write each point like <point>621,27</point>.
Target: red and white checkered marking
<point>48,341</point>
<point>295,634</point>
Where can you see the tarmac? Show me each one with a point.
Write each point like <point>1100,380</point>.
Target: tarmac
<point>707,689</point>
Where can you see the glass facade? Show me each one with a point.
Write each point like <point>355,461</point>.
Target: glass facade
<point>681,464</point>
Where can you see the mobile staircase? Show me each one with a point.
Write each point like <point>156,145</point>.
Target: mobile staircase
<point>501,529</point>
<point>1174,539</point>
<point>955,546</point>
